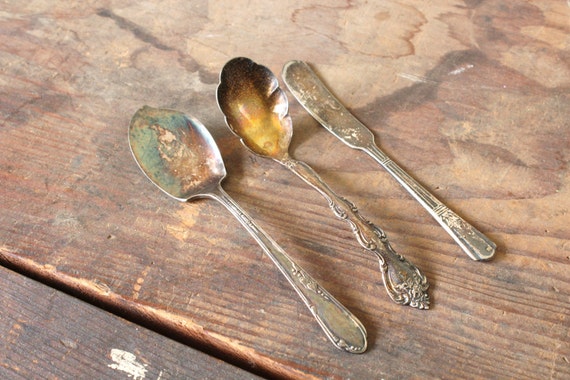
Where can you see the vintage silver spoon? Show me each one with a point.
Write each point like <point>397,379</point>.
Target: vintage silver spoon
<point>178,154</point>
<point>256,110</point>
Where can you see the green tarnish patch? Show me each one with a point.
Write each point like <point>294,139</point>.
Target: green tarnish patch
<point>176,152</point>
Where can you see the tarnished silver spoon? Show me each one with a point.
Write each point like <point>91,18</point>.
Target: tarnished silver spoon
<point>256,110</point>
<point>178,154</point>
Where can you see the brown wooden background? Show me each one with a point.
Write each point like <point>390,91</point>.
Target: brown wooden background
<point>471,97</point>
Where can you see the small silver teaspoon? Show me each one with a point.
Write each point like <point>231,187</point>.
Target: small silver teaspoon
<point>256,110</point>
<point>178,154</point>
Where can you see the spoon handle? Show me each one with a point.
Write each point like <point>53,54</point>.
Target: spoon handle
<point>342,328</point>
<point>403,281</point>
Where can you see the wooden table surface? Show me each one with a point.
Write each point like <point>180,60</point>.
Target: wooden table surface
<point>104,274</point>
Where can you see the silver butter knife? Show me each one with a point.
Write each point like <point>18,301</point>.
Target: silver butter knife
<point>314,96</point>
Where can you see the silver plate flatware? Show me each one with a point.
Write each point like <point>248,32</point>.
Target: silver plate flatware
<point>314,96</point>
<point>256,110</point>
<point>178,154</point>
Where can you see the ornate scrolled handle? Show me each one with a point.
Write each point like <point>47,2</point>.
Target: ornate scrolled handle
<point>403,281</point>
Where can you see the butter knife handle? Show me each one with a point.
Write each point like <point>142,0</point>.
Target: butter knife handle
<point>403,281</point>
<point>472,241</point>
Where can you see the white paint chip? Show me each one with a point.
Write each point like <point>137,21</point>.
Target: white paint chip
<point>461,69</point>
<point>126,362</point>
<point>415,78</point>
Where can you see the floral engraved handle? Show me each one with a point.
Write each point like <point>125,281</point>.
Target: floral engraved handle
<point>342,328</point>
<point>403,281</point>
<point>308,282</point>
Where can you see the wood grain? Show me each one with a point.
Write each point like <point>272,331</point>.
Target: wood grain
<point>471,97</point>
<point>48,334</point>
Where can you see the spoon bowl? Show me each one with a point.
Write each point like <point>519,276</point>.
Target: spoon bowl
<point>246,89</point>
<point>256,109</point>
<point>178,154</point>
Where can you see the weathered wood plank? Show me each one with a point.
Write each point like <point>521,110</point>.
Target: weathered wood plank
<point>48,334</point>
<point>470,97</point>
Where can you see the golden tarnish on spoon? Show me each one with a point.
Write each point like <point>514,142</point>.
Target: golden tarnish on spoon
<point>256,110</point>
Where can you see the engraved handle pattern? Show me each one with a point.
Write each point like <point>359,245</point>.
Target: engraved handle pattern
<point>403,281</point>
<point>342,328</point>
<point>471,240</point>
